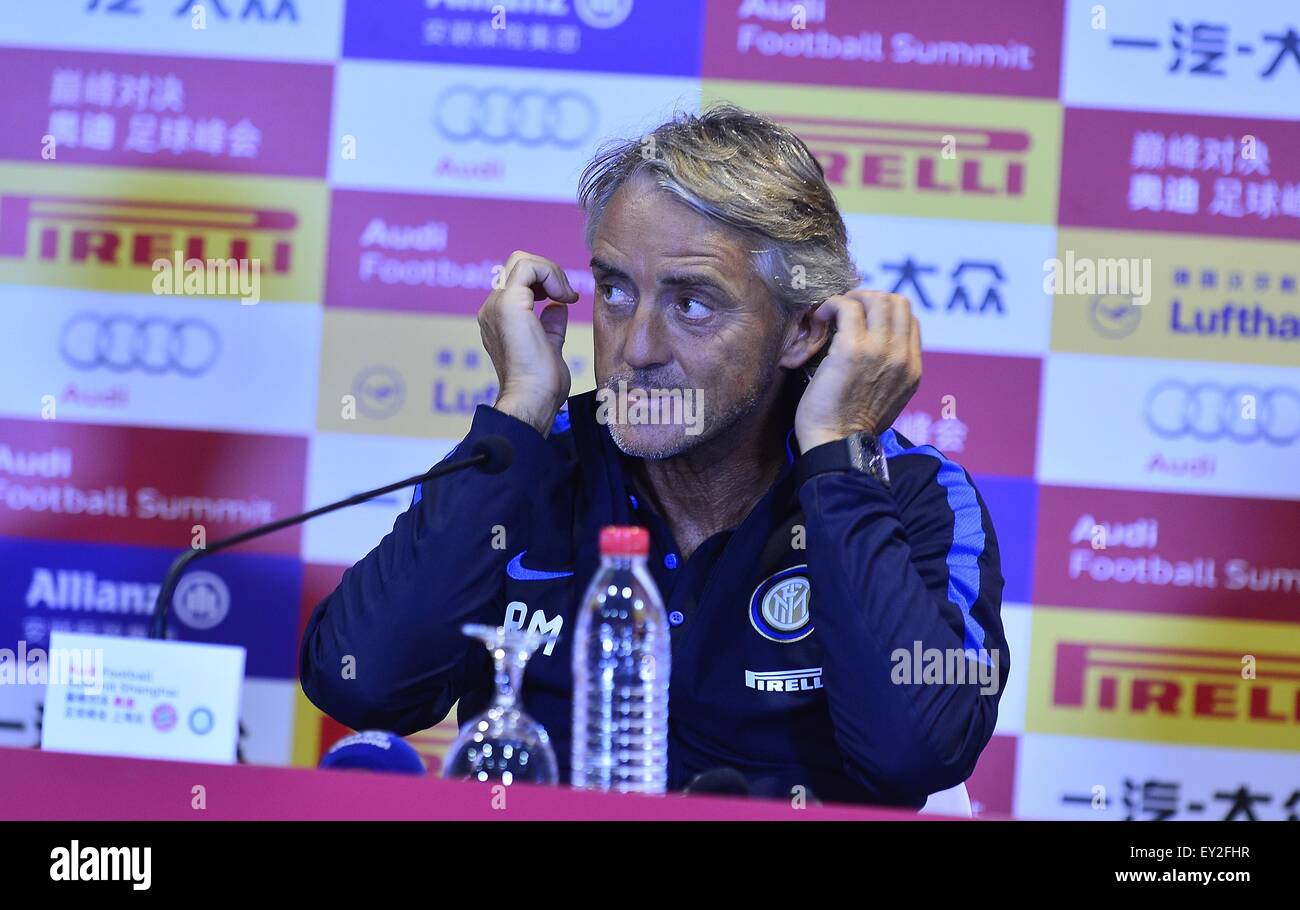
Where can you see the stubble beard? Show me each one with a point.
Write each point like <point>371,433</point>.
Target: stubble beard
<point>715,427</point>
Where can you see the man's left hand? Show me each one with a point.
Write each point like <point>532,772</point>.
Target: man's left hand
<point>870,372</point>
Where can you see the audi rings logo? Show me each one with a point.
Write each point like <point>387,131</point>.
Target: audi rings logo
<point>603,13</point>
<point>1208,412</point>
<point>151,344</point>
<point>530,117</point>
<point>201,600</point>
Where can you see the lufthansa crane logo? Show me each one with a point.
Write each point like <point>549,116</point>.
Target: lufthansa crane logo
<point>779,610</point>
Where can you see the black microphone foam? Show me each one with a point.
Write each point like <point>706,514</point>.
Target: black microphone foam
<point>500,454</point>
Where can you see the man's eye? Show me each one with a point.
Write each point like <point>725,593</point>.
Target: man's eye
<point>613,296</point>
<point>691,308</point>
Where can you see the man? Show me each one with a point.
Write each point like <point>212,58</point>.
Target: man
<point>806,552</point>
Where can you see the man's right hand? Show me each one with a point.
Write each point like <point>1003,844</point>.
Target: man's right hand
<point>527,349</point>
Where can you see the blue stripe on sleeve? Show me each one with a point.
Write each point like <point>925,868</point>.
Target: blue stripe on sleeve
<point>967,537</point>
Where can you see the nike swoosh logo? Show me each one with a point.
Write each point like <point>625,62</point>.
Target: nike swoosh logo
<point>516,570</point>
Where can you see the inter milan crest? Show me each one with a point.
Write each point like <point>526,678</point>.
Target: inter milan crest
<point>779,609</point>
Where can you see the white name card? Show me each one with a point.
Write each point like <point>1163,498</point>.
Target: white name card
<point>107,695</point>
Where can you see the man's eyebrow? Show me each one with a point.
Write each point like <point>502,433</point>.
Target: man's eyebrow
<point>600,265</point>
<point>675,279</point>
<point>694,280</point>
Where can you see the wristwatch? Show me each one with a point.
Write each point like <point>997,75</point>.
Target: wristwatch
<point>867,456</point>
<point>859,452</point>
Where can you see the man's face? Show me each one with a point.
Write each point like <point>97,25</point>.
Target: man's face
<point>678,308</point>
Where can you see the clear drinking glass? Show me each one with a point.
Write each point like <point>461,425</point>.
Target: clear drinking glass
<point>504,743</point>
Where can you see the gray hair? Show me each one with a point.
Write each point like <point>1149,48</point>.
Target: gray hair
<point>750,174</point>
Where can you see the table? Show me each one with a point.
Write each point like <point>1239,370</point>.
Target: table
<point>36,785</point>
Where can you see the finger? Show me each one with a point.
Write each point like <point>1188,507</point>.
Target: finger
<point>548,280</point>
<point>914,339</point>
<point>508,269</point>
<point>544,277</point>
<point>846,314</point>
<point>555,322</point>
<point>900,317</point>
<point>572,295</point>
<point>879,308</point>
<point>894,307</point>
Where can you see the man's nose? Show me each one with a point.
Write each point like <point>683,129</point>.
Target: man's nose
<point>646,345</point>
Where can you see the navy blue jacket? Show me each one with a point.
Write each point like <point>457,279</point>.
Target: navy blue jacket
<point>785,660</point>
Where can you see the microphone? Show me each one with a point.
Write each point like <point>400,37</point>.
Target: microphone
<point>374,750</point>
<point>491,455</point>
<point>497,453</point>
<point>719,782</point>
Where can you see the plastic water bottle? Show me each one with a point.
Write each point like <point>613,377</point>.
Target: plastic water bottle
<point>621,665</point>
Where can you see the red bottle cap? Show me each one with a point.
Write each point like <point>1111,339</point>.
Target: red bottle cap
<point>624,540</point>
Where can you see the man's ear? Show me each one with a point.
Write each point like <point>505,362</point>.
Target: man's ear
<point>805,339</point>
